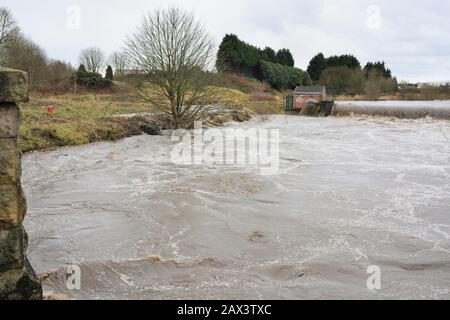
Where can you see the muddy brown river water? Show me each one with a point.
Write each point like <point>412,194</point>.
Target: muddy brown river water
<point>351,193</point>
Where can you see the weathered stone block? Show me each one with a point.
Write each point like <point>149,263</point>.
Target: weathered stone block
<point>13,85</point>
<point>11,249</point>
<point>9,120</point>
<point>17,279</point>
<point>10,164</point>
<point>20,284</point>
<point>12,206</point>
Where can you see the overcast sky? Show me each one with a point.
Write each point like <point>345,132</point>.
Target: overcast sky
<point>413,37</point>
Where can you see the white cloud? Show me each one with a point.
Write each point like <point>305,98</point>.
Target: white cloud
<point>413,37</point>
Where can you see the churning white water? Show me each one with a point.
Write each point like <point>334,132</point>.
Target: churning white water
<point>399,109</point>
<point>351,193</point>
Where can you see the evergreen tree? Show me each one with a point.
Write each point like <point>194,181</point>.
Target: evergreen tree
<point>316,66</point>
<point>284,57</point>
<point>268,54</point>
<point>91,80</point>
<point>379,67</point>
<point>82,69</point>
<point>109,73</point>
<point>237,56</point>
<point>228,54</point>
<point>346,60</point>
<point>283,77</point>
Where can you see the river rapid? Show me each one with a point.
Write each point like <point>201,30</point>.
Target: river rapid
<point>351,192</point>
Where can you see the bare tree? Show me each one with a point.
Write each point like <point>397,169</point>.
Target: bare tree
<point>58,70</point>
<point>22,53</point>
<point>119,61</point>
<point>93,59</point>
<point>8,30</point>
<point>173,50</point>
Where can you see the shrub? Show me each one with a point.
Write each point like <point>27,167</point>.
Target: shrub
<point>91,80</point>
<point>377,84</point>
<point>237,56</point>
<point>343,80</point>
<point>248,85</point>
<point>261,96</point>
<point>109,73</point>
<point>281,77</point>
<point>284,57</point>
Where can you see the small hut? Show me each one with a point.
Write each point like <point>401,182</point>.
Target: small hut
<point>304,96</point>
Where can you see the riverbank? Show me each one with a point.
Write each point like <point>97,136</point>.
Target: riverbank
<point>93,116</point>
<point>77,120</point>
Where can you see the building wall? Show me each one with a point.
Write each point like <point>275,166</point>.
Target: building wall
<point>300,101</point>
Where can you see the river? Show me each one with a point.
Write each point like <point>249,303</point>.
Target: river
<point>351,192</point>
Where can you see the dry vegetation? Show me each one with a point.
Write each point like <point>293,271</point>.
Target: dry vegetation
<point>77,119</point>
<point>88,116</point>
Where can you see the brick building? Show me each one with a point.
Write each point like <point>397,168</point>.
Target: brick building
<point>304,96</point>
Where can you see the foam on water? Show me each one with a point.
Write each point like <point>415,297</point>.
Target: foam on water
<point>398,109</point>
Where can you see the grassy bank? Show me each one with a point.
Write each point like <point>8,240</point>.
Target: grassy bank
<point>77,119</point>
<point>87,117</point>
<point>259,102</point>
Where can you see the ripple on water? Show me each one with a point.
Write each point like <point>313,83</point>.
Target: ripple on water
<point>351,192</point>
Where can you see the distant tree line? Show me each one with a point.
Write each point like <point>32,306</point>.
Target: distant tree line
<point>92,61</point>
<point>319,63</point>
<point>281,76</point>
<point>92,80</point>
<point>379,67</point>
<point>8,28</point>
<point>19,52</point>
<point>344,75</point>
<point>276,68</point>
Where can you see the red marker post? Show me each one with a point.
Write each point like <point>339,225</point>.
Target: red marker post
<point>50,109</point>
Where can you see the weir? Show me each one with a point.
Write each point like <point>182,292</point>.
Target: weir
<point>396,109</point>
<point>18,281</point>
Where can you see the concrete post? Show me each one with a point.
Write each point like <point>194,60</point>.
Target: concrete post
<point>17,278</point>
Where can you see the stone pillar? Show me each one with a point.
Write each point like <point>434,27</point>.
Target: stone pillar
<point>17,279</point>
